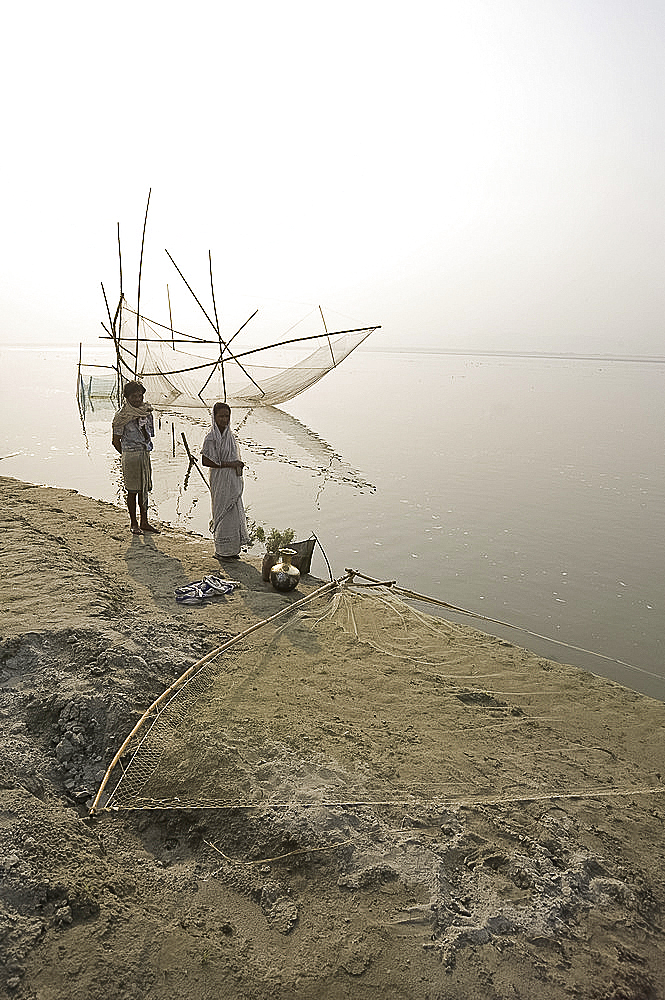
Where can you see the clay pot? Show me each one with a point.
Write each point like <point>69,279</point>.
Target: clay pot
<point>283,575</point>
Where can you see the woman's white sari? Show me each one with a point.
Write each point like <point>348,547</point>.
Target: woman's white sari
<point>228,525</point>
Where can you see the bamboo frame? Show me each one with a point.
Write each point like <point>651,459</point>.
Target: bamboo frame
<point>224,347</point>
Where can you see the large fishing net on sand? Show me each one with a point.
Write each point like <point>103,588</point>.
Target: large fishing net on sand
<point>285,712</point>
<point>352,695</point>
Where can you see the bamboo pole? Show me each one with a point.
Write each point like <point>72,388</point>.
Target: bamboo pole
<point>170,317</point>
<point>278,343</point>
<point>138,293</point>
<point>221,341</point>
<point>197,666</point>
<point>106,302</point>
<point>117,327</point>
<point>120,260</point>
<point>219,336</point>
<point>328,337</point>
<point>192,460</point>
<point>214,304</point>
<point>414,596</point>
<point>81,402</point>
<point>239,329</point>
<point>192,291</point>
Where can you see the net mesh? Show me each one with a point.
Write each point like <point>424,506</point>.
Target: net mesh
<point>355,697</point>
<point>248,727</point>
<point>205,373</point>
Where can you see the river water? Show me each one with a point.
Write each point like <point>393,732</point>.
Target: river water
<point>525,489</point>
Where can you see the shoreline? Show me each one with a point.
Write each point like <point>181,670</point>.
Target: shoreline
<point>521,847</point>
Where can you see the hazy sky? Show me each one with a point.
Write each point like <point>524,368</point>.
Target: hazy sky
<point>477,173</point>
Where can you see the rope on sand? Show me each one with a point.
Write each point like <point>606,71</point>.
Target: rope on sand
<point>280,857</point>
<point>403,592</point>
<point>463,801</point>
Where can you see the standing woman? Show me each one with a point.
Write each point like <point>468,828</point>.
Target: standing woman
<point>220,454</point>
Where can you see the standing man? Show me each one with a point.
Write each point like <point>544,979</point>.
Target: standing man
<point>133,430</point>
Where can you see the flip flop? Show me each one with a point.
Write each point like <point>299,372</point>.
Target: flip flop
<point>212,586</point>
<point>209,586</point>
<point>218,585</point>
<point>193,596</point>
<point>189,588</point>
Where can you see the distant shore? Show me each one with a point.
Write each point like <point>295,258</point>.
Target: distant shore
<point>374,347</point>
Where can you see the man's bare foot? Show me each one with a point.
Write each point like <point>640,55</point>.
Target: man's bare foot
<point>135,530</point>
<point>149,528</point>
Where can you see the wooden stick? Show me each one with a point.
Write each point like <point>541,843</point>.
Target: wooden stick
<point>192,460</point>
<point>138,293</point>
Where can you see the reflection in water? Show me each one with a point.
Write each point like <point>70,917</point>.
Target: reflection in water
<point>264,431</point>
<point>275,434</point>
<point>266,434</point>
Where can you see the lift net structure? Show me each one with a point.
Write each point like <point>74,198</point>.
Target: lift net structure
<point>195,372</point>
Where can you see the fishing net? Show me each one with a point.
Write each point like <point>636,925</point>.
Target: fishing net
<point>295,711</point>
<point>352,696</point>
<point>202,372</point>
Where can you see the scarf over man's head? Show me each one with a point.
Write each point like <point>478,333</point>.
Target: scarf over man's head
<point>127,413</point>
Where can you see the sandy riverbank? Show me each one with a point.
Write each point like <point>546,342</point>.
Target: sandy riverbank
<point>522,854</point>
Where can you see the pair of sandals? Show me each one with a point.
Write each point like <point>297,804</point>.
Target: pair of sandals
<point>203,590</point>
